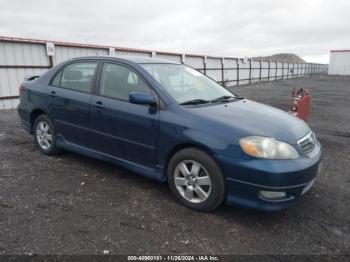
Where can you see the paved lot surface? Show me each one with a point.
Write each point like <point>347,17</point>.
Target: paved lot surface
<point>70,204</point>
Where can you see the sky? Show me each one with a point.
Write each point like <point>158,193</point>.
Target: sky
<point>231,28</point>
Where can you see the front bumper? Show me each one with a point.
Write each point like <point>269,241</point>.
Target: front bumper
<point>246,179</point>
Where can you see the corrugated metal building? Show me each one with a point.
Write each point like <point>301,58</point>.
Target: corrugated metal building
<point>339,63</point>
<point>21,57</point>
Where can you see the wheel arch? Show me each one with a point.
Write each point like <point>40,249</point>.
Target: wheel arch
<point>180,147</point>
<point>33,115</point>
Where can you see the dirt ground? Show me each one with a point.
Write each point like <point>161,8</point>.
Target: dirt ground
<point>70,204</point>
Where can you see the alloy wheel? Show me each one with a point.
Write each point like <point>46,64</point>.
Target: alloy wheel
<point>192,181</point>
<point>44,135</point>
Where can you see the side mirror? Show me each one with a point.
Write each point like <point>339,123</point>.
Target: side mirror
<point>142,98</point>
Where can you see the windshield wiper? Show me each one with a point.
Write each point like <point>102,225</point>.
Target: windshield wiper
<point>195,102</point>
<point>225,98</point>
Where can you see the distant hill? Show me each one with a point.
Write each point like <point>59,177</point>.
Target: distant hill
<point>281,57</point>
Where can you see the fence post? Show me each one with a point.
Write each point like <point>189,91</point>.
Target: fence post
<point>50,61</point>
<point>183,58</point>
<point>205,64</point>
<point>298,67</point>
<point>260,72</point>
<point>222,70</point>
<point>237,71</point>
<point>250,70</point>
<point>268,72</point>
<point>276,70</point>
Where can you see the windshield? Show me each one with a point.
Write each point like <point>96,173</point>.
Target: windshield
<point>185,84</point>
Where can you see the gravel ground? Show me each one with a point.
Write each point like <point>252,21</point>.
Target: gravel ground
<point>70,204</point>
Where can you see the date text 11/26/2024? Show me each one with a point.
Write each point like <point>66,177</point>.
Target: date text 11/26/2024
<point>174,258</point>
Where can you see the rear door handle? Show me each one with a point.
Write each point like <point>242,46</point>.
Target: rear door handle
<point>53,94</point>
<point>99,104</point>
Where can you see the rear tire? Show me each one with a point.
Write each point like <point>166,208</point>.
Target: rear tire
<point>45,135</point>
<point>196,180</point>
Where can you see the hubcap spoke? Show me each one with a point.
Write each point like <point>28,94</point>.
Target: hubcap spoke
<point>201,193</point>
<point>41,126</point>
<point>49,137</point>
<point>195,169</point>
<point>180,181</point>
<point>184,170</point>
<point>46,143</point>
<point>189,193</point>
<point>203,181</point>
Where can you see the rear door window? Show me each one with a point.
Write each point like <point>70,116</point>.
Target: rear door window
<point>77,76</point>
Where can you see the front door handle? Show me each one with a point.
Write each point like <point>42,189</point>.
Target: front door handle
<point>53,94</point>
<point>99,104</point>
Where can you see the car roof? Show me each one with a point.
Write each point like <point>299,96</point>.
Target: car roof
<point>134,59</point>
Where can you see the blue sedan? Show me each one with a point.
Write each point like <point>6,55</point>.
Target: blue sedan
<point>171,123</point>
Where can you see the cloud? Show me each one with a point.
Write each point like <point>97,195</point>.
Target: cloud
<point>222,27</point>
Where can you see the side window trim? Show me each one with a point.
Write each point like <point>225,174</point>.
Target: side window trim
<point>93,82</point>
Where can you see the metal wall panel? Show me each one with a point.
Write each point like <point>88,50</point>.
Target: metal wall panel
<point>339,63</point>
<point>194,61</point>
<point>63,53</point>
<point>213,68</point>
<point>290,68</point>
<point>213,62</point>
<point>264,70</point>
<point>133,53</point>
<point>170,57</point>
<point>279,70</point>
<point>272,70</point>
<point>230,63</point>
<point>11,78</point>
<point>214,74</point>
<point>255,74</point>
<point>23,54</point>
<point>230,72</point>
<point>243,71</point>
<point>299,65</point>
<point>285,70</point>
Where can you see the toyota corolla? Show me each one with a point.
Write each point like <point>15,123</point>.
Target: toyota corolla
<point>171,123</point>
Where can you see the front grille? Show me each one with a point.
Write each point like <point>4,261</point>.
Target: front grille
<point>308,143</point>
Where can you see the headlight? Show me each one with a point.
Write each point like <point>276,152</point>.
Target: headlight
<point>266,147</point>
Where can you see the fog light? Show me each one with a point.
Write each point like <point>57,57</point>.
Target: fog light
<point>272,194</point>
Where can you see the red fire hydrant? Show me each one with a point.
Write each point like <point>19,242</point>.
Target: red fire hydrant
<point>300,103</point>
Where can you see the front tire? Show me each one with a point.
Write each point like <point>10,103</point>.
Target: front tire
<point>196,180</point>
<point>45,135</point>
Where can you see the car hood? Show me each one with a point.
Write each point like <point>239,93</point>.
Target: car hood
<point>246,117</point>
